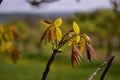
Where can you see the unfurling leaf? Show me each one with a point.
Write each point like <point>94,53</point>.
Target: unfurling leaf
<point>49,35</point>
<point>70,33</point>
<point>77,39</point>
<point>88,54</point>
<point>90,48</point>
<point>12,50</point>
<point>14,31</point>
<point>70,42</point>
<point>44,34</point>
<point>76,28</point>
<point>58,34</point>
<point>75,56</point>
<point>82,45</point>
<point>86,38</point>
<point>58,22</point>
<point>47,22</point>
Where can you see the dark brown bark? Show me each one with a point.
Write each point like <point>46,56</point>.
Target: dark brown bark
<point>107,68</point>
<point>108,61</point>
<point>1,1</point>
<point>47,69</point>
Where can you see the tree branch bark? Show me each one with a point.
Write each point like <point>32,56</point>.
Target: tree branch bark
<point>107,68</point>
<point>47,69</point>
<point>108,61</point>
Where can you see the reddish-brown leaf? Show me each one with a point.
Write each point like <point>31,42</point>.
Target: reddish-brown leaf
<point>70,33</point>
<point>47,22</point>
<point>49,35</point>
<point>13,53</point>
<point>88,54</point>
<point>73,59</point>
<point>44,34</point>
<point>78,55</point>
<point>14,56</point>
<point>91,49</point>
<point>75,56</point>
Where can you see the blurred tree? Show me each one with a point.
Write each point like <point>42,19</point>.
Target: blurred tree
<point>8,45</point>
<point>115,4</point>
<point>106,26</point>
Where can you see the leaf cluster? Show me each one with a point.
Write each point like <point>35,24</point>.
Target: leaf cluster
<point>7,41</point>
<point>73,37</point>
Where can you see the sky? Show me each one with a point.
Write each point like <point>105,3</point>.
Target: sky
<point>16,6</point>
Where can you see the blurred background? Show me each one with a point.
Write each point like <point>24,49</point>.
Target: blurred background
<point>100,19</point>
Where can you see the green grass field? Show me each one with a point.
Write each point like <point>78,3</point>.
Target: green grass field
<point>32,69</point>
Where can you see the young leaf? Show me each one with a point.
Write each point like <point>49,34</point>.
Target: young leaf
<point>86,38</point>
<point>70,42</point>
<point>88,54</point>
<point>76,49</point>
<point>13,51</point>
<point>58,34</point>
<point>82,45</point>
<point>14,31</point>
<point>44,34</point>
<point>75,57</point>
<point>58,22</point>
<point>90,48</point>
<point>76,28</point>
<point>49,35</point>
<point>47,22</point>
<point>70,33</point>
<point>77,39</point>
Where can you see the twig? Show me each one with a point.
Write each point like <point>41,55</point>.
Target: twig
<point>48,64</point>
<point>107,60</point>
<point>107,67</point>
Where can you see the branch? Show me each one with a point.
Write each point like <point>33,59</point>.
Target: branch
<point>108,61</point>
<point>107,67</point>
<point>37,3</point>
<point>47,69</point>
<point>1,1</point>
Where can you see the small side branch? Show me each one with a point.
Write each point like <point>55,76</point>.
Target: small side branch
<point>108,61</point>
<point>107,67</point>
